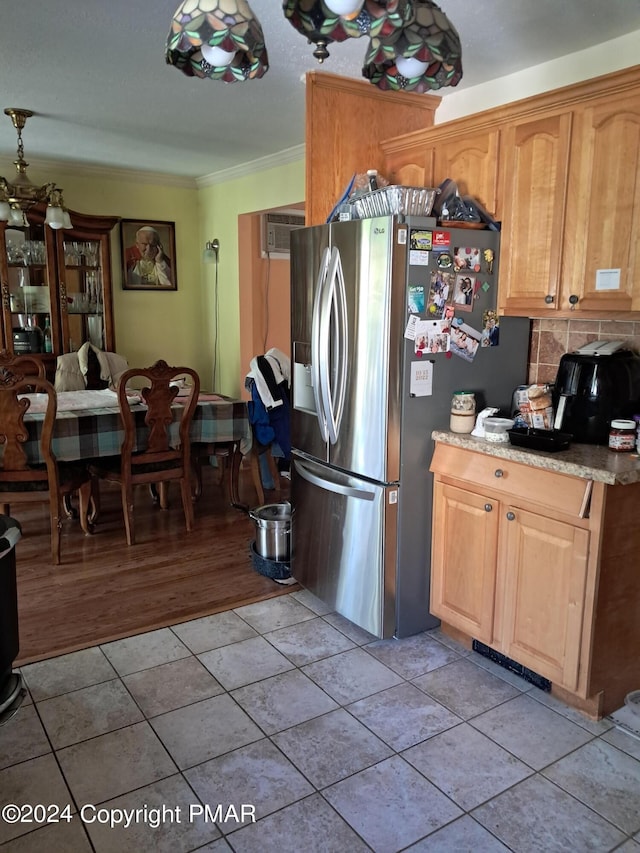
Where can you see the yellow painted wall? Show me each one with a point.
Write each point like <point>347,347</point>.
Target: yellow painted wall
<point>178,325</point>
<point>148,325</point>
<point>220,206</point>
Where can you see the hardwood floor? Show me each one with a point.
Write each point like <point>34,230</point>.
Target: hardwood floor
<point>104,590</point>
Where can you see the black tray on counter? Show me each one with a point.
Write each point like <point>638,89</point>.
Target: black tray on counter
<point>550,440</point>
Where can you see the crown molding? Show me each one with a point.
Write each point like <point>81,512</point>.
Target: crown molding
<point>281,158</point>
<point>110,172</point>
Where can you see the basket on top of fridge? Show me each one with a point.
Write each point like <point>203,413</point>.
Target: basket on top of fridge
<point>411,201</point>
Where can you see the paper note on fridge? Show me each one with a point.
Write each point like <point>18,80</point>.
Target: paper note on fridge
<point>431,337</point>
<point>410,329</point>
<point>421,384</point>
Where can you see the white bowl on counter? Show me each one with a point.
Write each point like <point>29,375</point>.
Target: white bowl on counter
<point>495,429</point>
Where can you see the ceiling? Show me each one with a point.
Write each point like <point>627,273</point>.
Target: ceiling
<point>95,75</point>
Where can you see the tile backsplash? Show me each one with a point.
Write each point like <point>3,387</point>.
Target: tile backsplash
<point>550,339</point>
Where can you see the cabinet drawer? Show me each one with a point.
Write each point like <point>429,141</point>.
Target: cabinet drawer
<point>513,480</point>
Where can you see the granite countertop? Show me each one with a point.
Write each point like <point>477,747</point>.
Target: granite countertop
<point>589,461</point>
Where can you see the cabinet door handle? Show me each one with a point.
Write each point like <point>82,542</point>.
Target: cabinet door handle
<point>488,507</point>
<point>499,472</point>
<point>511,516</point>
<point>549,299</point>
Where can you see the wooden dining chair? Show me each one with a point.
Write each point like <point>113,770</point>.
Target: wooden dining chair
<point>258,450</point>
<point>156,462</point>
<point>23,482</point>
<point>228,462</point>
<point>223,453</point>
<point>22,365</point>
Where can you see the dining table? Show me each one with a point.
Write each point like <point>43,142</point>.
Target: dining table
<point>88,426</point>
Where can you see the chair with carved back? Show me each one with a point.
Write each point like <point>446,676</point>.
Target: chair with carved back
<point>22,481</point>
<point>156,462</point>
<point>23,365</point>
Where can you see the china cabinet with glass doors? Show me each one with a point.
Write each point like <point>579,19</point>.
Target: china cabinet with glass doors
<point>56,286</point>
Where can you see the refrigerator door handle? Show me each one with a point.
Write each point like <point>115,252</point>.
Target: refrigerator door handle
<point>348,491</point>
<point>324,340</point>
<point>316,356</point>
<point>340,344</point>
<point>333,307</point>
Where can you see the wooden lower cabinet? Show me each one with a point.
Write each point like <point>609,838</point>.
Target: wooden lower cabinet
<point>463,578</point>
<point>543,571</point>
<point>539,566</point>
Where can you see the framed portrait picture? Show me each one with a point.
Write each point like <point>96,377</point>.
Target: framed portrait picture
<point>148,255</point>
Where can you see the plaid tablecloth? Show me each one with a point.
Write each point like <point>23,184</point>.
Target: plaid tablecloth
<point>88,433</point>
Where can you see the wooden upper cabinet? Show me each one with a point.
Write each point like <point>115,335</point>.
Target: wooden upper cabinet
<point>561,171</point>
<point>603,206</point>
<point>409,166</point>
<point>461,150</point>
<point>571,221</point>
<point>471,160</point>
<point>345,121</point>
<point>534,167</point>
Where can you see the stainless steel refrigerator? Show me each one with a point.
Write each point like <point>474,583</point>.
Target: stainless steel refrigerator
<point>360,427</point>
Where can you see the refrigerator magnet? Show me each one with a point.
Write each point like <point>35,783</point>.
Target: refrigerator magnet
<point>416,298</point>
<point>444,260</point>
<point>431,337</point>
<point>421,240</point>
<point>447,318</point>
<point>467,258</point>
<point>420,344</point>
<point>418,258</point>
<point>465,341</point>
<point>488,257</point>
<point>440,291</point>
<point>490,329</point>
<point>441,239</point>
<point>463,292</point>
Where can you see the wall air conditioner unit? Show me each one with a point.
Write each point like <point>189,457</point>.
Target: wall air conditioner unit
<point>276,232</point>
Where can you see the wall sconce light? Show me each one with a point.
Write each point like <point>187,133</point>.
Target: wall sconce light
<point>210,254</point>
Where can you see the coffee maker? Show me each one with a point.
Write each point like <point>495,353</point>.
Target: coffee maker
<point>594,385</point>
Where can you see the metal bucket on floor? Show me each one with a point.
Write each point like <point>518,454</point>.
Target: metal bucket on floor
<point>273,530</point>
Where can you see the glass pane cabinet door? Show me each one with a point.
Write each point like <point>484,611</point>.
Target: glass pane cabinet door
<point>56,286</point>
<point>84,294</point>
<point>27,290</point>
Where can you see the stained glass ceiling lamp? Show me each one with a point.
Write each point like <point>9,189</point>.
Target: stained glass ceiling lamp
<point>327,21</point>
<point>423,56</point>
<point>217,39</point>
<point>18,197</point>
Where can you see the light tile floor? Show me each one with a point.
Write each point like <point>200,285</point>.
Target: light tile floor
<point>335,740</point>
